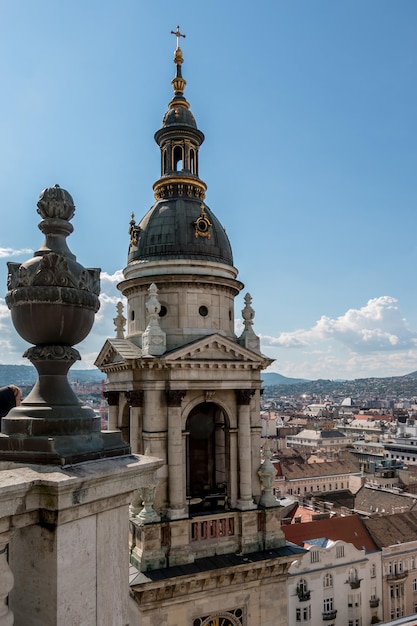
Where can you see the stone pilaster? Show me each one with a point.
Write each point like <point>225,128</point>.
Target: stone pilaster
<point>135,400</point>
<point>112,398</point>
<point>177,505</point>
<point>234,465</point>
<point>243,400</point>
<point>146,551</point>
<point>69,549</point>
<point>6,581</point>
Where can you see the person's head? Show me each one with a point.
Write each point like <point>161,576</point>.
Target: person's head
<point>17,394</point>
<point>10,397</point>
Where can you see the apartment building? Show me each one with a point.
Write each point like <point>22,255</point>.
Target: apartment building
<point>303,479</point>
<point>338,580</point>
<point>396,538</point>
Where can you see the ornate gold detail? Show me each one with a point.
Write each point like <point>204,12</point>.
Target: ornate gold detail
<point>202,224</point>
<point>170,186</point>
<point>134,231</point>
<point>178,83</point>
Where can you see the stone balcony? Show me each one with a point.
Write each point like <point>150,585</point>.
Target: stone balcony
<point>395,576</point>
<point>374,603</point>
<point>303,596</point>
<point>329,615</point>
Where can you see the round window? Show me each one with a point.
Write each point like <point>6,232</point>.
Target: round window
<point>203,310</point>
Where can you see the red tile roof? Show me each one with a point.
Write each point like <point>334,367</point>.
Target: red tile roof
<point>349,529</point>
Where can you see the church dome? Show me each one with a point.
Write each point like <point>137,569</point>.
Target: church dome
<point>180,228</point>
<point>179,116</point>
<point>179,225</point>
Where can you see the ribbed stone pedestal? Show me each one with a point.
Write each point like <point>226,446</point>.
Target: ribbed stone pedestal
<point>52,425</point>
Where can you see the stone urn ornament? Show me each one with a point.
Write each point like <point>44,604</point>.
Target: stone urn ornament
<point>53,300</point>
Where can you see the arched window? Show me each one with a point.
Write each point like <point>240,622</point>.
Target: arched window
<point>328,580</point>
<point>164,162</point>
<point>192,161</point>
<point>178,159</point>
<point>207,457</point>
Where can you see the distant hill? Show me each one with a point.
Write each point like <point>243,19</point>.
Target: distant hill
<point>271,379</point>
<point>25,375</point>
<point>400,386</point>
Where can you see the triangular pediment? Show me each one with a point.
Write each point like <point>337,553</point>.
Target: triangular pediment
<point>215,348</point>
<point>117,351</point>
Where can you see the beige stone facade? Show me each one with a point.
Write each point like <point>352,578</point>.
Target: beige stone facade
<point>207,548</point>
<point>66,534</point>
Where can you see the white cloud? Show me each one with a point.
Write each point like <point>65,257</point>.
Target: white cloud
<point>10,252</point>
<point>111,279</point>
<point>377,326</point>
<point>239,326</point>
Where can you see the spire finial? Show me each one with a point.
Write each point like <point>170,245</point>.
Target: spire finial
<point>178,34</point>
<point>178,83</point>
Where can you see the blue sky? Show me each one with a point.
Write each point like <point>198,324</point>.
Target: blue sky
<point>309,112</point>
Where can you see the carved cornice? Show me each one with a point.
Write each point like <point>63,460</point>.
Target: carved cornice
<point>135,397</point>
<point>168,589</point>
<point>112,397</point>
<point>175,396</point>
<point>228,286</point>
<point>244,396</point>
<point>183,188</point>
<point>158,364</point>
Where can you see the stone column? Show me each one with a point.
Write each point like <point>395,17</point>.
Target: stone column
<point>6,581</point>
<point>135,401</point>
<point>176,498</point>
<point>234,467</point>
<point>243,400</point>
<point>112,398</point>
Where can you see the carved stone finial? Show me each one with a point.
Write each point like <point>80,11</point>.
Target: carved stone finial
<point>119,321</point>
<point>248,337</point>
<point>146,515</point>
<point>248,313</point>
<point>154,338</point>
<point>267,473</point>
<point>53,300</point>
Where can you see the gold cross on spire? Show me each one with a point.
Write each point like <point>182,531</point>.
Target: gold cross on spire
<point>178,35</point>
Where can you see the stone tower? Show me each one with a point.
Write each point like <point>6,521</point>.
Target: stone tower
<point>183,386</point>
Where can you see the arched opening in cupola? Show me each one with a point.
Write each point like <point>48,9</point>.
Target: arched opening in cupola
<point>207,457</point>
<point>178,159</point>
<point>164,162</point>
<point>192,161</point>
